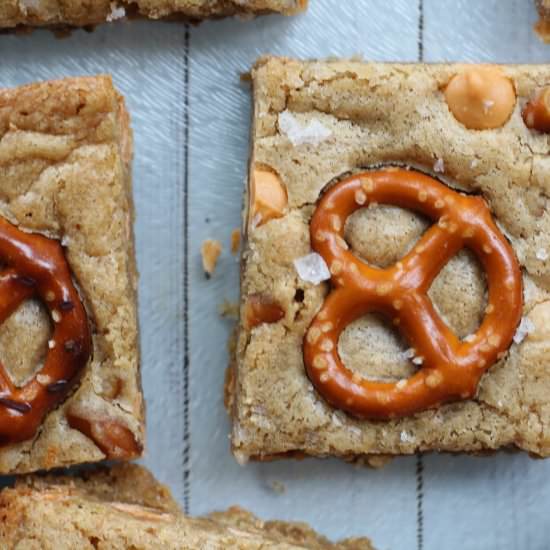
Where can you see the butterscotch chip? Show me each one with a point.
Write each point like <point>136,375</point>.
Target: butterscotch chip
<point>210,252</point>
<point>262,309</point>
<point>268,196</point>
<point>536,113</point>
<point>481,97</point>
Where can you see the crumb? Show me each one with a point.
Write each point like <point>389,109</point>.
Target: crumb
<point>235,240</point>
<point>229,309</point>
<point>278,487</point>
<point>373,461</point>
<point>210,251</point>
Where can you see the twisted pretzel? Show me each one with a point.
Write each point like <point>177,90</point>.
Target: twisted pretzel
<point>35,266</point>
<point>451,369</point>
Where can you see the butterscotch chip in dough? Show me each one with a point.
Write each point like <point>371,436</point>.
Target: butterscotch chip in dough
<point>481,97</point>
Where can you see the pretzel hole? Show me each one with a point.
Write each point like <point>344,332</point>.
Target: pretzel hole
<point>24,340</point>
<point>382,234</point>
<point>459,293</point>
<point>374,349</point>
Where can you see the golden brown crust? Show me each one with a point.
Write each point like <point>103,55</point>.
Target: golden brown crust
<point>315,122</point>
<point>65,152</point>
<point>126,508</point>
<point>79,13</point>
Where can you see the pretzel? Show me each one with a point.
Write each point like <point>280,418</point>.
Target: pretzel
<point>35,267</point>
<point>451,369</point>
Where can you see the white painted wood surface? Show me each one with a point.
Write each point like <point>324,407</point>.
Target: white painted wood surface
<point>191,121</point>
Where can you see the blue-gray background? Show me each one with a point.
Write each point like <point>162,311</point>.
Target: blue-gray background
<point>191,121</point>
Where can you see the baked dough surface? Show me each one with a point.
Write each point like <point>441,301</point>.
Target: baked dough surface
<point>127,508</point>
<point>65,153</point>
<point>78,13</point>
<point>317,121</point>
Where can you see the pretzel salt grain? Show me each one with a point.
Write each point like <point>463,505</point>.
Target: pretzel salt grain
<point>451,369</point>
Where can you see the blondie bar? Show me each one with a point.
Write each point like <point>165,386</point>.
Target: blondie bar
<point>127,508</point>
<point>79,13</point>
<point>396,266</point>
<point>69,357</point>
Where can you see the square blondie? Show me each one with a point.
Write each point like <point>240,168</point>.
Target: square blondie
<point>80,13</point>
<point>125,507</point>
<point>463,139</point>
<point>70,389</point>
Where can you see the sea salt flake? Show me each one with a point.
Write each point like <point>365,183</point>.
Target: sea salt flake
<point>406,437</point>
<point>542,254</point>
<point>408,354</point>
<point>311,134</point>
<point>116,12</point>
<point>29,5</point>
<point>525,328</point>
<point>312,268</point>
<point>439,166</point>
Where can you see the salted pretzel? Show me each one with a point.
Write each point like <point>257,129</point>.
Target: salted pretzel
<point>451,369</point>
<point>35,267</point>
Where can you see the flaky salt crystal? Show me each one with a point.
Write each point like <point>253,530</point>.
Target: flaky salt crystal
<point>116,12</point>
<point>439,166</point>
<point>525,328</point>
<point>312,134</point>
<point>312,268</point>
<point>542,254</point>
